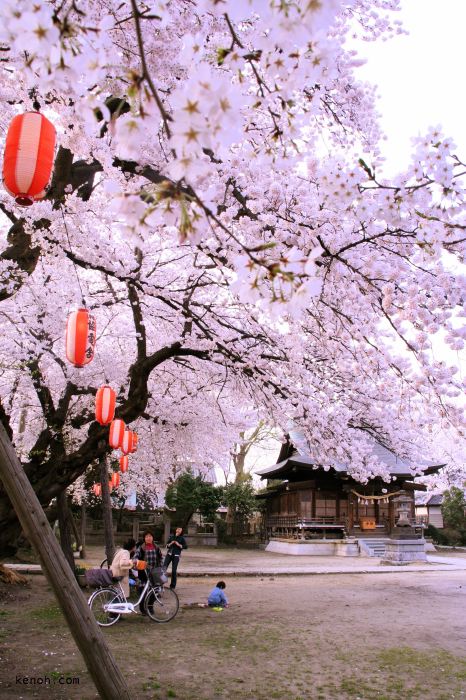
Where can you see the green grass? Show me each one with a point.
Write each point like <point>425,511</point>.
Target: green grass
<point>397,673</point>
<point>151,684</point>
<point>47,613</point>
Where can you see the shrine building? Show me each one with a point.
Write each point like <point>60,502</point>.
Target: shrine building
<point>328,510</point>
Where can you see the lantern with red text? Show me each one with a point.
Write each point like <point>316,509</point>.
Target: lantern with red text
<point>127,442</point>
<point>28,158</point>
<point>97,489</point>
<point>135,442</point>
<point>105,405</point>
<point>115,480</point>
<point>117,430</point>
<point>124,463</point>
<point>80,337</point>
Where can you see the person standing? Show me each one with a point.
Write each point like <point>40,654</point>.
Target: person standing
<point>176,543</point>
<point>122,563</point>
<point>151,553</point>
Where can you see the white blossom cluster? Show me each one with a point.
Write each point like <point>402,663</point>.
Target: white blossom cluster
<point>299,280</point>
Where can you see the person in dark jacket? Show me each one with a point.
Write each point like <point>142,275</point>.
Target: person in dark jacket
<point>176,543</point>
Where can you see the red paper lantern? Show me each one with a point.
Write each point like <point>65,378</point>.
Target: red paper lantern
<point>97,488</point>
<point>127,442</point>
<point>115,481</point>
<point>105,405</point>
<point>28,158</point>
<point>124,463</point>
<point>80,337</point>
<point>110,486</point>
<point>135,442</point>
<point>117,430</point>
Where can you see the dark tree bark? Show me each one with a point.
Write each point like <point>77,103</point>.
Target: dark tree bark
<point>107,511</point>
<point>65,530</point>
<point>74,527</point>
<point>82,553</point>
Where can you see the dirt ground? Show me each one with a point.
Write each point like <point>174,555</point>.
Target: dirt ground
<point>333,637</point>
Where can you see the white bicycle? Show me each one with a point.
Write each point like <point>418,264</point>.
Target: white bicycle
<point>109,603</point>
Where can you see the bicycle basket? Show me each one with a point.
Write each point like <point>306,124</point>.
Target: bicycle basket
<point>158,576</point>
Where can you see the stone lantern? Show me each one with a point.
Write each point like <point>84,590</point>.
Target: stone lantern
<point>405,544</point>
<point>403,510</point>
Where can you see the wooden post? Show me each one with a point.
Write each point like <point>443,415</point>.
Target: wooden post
<point>82,553</point>
<point>136,529</point>
<point>101,665</point>
<point>166,528</point>
<point>107,511</point>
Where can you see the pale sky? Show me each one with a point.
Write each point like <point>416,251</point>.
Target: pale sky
<point>420,77</point>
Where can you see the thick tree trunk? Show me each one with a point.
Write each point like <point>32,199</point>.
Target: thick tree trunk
<point>74,527</point>
<point>65,531</point>
<point>98,658</point>
<point>11,577</point>
<point>239,458</point>
<point>107,511</point>
<point>82,552</point>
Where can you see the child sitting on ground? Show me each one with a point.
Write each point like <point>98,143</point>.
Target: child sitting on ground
<point>217,597</point>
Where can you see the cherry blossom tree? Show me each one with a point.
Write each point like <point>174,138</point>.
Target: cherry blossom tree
<point>218,202</point>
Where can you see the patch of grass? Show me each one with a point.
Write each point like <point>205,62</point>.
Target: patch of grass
<point>171,693</point>
<point>151,684</point>
<point>355,687</point>
<point>438,663</point>
<point>46,613</point>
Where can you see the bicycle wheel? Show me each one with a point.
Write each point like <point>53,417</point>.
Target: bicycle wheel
<point>161,604</point>
<point>98,602</point>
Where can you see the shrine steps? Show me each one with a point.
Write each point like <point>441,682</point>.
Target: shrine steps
<point>372,547</point>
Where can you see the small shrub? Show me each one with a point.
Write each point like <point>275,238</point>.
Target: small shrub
<point>438,536</point>
<point>80,570</point>
<point>452,536</point>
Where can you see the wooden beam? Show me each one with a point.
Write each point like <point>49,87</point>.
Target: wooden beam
<point>99,660</point>
<point>411,486</point>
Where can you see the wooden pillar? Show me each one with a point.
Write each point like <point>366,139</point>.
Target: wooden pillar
<point>136,529</point>
<point>166,528</point>
<point>391,515</point>
<point>100,662</point>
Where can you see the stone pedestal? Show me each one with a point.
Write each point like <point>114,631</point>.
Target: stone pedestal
<point>320,548</point>
<point>400,552</point>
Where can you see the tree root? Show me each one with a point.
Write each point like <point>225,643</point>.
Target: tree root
<point>11,577</point>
